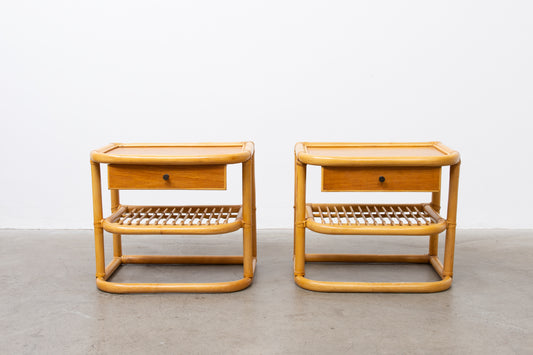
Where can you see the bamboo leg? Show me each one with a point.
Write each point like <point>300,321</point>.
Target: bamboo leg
<point>247,219</point>
<point>294,207</point>
<point>434,238</point>
<point>97,214</point>
<point>254,220</point>
<point>451,220</point>
<point>299,221</point>
<point>117,238</point>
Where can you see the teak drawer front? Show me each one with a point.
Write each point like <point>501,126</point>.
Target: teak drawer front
<point>161,177</point>
<point>340,178</point>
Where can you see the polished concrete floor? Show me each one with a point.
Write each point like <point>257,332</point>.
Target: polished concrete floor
<point>49,303</point>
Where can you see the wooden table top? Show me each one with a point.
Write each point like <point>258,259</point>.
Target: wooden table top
<point>174,153</point>
<point>376,154</point>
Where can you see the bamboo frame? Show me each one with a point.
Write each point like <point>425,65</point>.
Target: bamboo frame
<point>159,220</point>
<point>353,219</point>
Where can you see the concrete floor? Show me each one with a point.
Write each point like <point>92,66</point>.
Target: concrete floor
<point>49,302</point>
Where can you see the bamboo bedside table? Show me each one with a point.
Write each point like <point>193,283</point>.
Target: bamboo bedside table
<point>173,166</point>
<point>377,167</point>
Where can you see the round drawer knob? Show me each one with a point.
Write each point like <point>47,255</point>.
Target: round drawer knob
<point>382,179</point>
<point>166,177</point>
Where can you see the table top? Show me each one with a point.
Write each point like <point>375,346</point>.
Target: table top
<point>174,153</point>
<point>376,154</point>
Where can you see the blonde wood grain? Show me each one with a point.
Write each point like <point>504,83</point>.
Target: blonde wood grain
<point>187,177</point>
<point>174,153</point>
<point>376,154</point>
<point>367,178</point>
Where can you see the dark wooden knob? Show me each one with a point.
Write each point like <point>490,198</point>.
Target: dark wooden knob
<point>166,177</point>
<point>382,179</point>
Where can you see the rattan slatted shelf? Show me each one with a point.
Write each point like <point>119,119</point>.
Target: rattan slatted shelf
<point>385,167</point>
<point>371,219</point>
<point>174,220</point>
<point>173,166</point>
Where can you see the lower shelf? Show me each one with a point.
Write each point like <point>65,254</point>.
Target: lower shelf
<point>174,220</point>
<point>373,219</point>
<point>336,286</point>
<point>213,287</point>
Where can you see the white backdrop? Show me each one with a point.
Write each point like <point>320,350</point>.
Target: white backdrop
<point>76,75</point>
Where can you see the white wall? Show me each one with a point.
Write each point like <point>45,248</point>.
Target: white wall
<point>75,75</point>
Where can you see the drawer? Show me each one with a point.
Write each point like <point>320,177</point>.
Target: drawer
<point>343,178</point>
<point>161,177</point>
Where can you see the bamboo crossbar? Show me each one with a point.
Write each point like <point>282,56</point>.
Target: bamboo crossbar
<point>437,265</point>
<point>183,259</point>
<point>367,258</point>
<point>112,267</point>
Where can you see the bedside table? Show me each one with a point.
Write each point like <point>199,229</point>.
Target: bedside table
<point>165,167</point>
<point>386,167</point>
